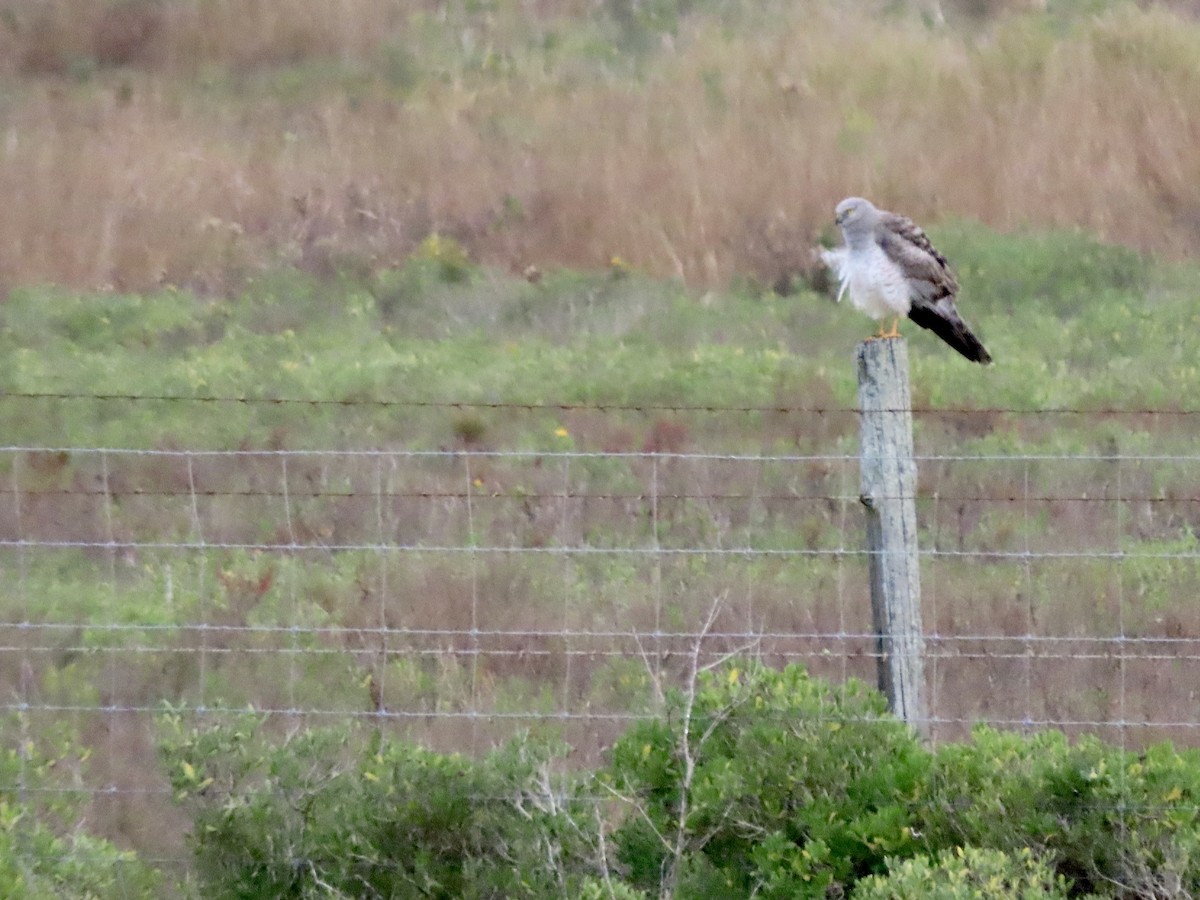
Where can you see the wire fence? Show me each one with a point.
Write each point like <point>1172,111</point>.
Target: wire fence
<point>459,592</point>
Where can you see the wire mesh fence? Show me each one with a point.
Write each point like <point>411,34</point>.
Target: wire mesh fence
<point>563,574</point>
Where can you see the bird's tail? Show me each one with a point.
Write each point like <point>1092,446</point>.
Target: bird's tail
<point>942,318</point>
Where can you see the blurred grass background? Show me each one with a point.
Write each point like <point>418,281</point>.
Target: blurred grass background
<point>171,141</point>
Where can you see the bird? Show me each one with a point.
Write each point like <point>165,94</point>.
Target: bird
<point>890,268</point>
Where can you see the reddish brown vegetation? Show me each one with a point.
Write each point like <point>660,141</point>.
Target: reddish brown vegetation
<point>177,160</point>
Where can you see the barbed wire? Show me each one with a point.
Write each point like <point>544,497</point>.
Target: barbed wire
<point>634,635</point>
<point>607,634</point>
<point>583,550</point>
<point>520,494</point>
<point>530,653</point>
<point>555,454</point>
<point>601,406</point>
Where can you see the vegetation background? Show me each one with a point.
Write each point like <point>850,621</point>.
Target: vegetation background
<point>168,141</point>
<point>527,229</point>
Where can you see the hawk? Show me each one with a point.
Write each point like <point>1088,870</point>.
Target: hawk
<point>891,269</point>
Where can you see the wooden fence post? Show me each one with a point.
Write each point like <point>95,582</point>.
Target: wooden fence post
<point>888,492</point>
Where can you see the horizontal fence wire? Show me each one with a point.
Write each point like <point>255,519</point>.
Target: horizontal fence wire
<point>557,455</point>
<point>333,547</point>
<point>602,406</point>
<point>459,593</point>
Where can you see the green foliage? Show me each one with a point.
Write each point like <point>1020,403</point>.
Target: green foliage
<point>596,889</point>
<point>332,812</point>
<point>753,782</point>
<point>965,874</point>
<point>44,851</point>
<point>1102,816</point>
<point>781,785</point>
<point>36,864</point>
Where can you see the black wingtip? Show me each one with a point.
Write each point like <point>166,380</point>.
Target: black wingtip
<point>949,326</point>
<point>970,347</point>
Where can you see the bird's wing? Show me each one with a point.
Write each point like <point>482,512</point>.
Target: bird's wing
<point>906,245</point>
<point>931,282</point>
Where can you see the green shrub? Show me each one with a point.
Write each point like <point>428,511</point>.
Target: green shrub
<point>767,782</point>
<point>331,812</point>
<point>1112,821</point>
<point>598,889</point>
<point>44,851</point>
<point>751,782</point>
<point>965,874</point>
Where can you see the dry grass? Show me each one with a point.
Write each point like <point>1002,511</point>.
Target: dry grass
<point>50,36</point>
<point>187,163</point>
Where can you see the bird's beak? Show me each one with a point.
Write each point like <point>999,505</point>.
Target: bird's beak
<point>837,219</point>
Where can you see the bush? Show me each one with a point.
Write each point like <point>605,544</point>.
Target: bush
<point>44,852</point>
<point>1111,820</point>
<point>752,782</point>
<point>764,782</point>
<point>965,874</point>
<point>335,813</point>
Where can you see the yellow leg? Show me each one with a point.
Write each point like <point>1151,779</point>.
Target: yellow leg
<point>895,332</point>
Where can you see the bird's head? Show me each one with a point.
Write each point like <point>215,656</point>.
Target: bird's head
<point>851,210</point>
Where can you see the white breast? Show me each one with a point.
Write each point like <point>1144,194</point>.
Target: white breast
<point>876,284</point>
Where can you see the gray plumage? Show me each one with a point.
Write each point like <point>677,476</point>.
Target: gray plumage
<point>890,268</point>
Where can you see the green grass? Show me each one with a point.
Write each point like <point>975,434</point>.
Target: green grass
<point>1072,324</point>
